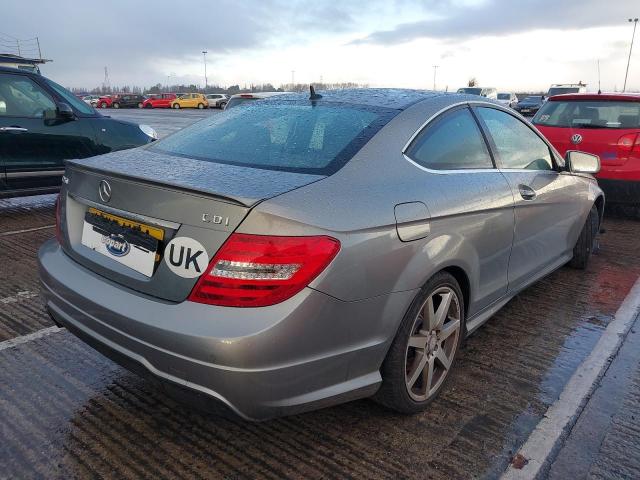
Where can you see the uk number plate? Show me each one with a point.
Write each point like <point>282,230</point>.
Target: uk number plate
<point>128,242</point>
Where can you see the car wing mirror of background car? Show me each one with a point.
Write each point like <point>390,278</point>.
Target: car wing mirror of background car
<point>582,162</point>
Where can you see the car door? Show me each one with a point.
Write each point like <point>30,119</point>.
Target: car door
<point>546,199</point>
<point>33,142</point>
<point>469,200</point>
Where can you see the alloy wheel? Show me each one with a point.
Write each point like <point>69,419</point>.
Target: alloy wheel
<point>432,344</point>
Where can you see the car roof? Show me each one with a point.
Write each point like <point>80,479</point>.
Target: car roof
<point>394,98</point>
<point>16,70</point>
<point>618,97</point>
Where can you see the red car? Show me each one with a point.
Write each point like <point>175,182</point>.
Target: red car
<point>159,100</point>
<point>607,125</point>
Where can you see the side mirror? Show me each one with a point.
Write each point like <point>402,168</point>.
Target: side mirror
<point>65,111</point>
<point>581,162</point>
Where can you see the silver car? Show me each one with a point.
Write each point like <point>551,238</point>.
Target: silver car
<point>297,252</point>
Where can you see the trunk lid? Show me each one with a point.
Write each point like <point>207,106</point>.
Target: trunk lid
<point>180,197</point>
<point>599,141</point>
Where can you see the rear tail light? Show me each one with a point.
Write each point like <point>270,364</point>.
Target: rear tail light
<point>628,143</point>
<point>58,220</point>
<point>259,270</point>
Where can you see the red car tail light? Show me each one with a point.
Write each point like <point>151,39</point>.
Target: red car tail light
<point>629,142</point>
<point>260,270</point>
<point>58,220</point>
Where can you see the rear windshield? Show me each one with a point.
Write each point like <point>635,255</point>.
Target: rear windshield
<point>589,114</point>
<point>289,136</point>
<point>504,96</point>
<point>470,90</point>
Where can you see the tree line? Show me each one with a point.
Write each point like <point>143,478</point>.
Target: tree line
<point>231,90</point>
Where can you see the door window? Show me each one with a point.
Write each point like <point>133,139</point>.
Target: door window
<point>451,143</point>
<point>518,147</point>
<point>22,97</point>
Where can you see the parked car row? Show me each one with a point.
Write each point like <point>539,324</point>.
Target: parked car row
<point>158,100</point>
<point>530,105</point>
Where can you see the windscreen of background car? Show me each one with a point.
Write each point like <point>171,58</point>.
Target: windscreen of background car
<point>562,90</point>
<point>285,136</point>
<point>470,90</point>
<point>504,96</point>
<point>587,114</point>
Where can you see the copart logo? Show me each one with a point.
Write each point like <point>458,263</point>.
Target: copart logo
<point>104,190</point>
<point>576,139</point>
<point>116,245</point>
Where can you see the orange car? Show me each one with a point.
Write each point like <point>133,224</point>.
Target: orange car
<point>190,100</point>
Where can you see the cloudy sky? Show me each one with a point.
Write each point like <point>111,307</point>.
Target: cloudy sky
<point>518,45</point>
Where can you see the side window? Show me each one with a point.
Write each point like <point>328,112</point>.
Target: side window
<point>517,145</point>
<point>453,142</point>
<point>22,97</point>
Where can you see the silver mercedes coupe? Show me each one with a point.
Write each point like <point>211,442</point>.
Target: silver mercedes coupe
<point>306,250</point>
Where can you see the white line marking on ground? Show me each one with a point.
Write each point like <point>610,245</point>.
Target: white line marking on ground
<point>563,413</point>
<point>12,342</point>
<point>26,230</point>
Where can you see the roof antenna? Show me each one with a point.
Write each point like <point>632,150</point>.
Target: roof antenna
<point>312,93</point>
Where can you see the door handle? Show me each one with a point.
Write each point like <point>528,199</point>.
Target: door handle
<point>13,129</point>
<point>526,192</point>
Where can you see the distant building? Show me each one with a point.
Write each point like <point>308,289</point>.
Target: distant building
<point>16,61</point>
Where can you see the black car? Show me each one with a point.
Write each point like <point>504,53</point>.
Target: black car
<point>123,100</point>
<point>530,105</point>
<point>42,124</point>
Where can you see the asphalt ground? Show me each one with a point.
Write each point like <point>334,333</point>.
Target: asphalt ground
<point>164,120</point>
<point>68,412</point>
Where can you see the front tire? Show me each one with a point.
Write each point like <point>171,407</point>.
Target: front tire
<point>425,348</point>
<point>103,105</point>
<point>116,105</point>
<point>176,106</point>
<point>200,106</point>
<point>587,241</point>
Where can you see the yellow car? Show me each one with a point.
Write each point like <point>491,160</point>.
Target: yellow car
<point>190,100</point>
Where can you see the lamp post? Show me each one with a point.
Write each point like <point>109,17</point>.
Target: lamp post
<point>635,24</point>
<point>169,75</point>
<point>204,56</point>
<point>435,69</point>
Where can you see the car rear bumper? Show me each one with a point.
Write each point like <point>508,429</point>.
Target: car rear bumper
<point>308,352</point>
<point>620,191</point>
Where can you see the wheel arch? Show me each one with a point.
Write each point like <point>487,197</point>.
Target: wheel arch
<point>463,281</point>
<point>599,203</point>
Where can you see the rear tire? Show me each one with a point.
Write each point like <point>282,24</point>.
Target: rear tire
<point>425,347</point>
<point>221,105</point>
<point>103,105</point>
<point>176,106</point>
<point>200,106</point>
<point>116,105</point>
<point>587,241</point>
<point>140,105</point>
